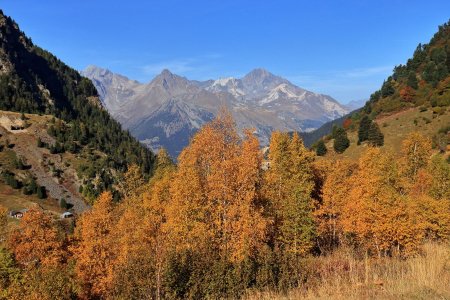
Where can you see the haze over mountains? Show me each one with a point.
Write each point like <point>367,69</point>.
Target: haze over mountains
<point>355,104</point>
<point>169,109</point>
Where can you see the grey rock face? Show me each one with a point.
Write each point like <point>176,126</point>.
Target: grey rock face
<point>167,111</point>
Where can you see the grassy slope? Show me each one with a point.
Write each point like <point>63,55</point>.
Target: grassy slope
<point>342,275</point>
<point>15,200</point>
<point>395,128</point>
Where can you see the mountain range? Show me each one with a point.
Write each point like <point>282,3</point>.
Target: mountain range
<point>168,110</point>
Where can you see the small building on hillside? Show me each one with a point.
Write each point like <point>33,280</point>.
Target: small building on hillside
<point>17,127</point>
<point>66,215</point>
<point>18,214</point>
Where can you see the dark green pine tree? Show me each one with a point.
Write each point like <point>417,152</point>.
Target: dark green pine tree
<point>376,137</point>
<point>429,72</point>
<point>341,141</point>
<point>32,185</point>
<point>387,89</point>
<point>41,192</point>
<point>40,143</point>
<point>63,203</point>
<point>334,131</point>
<point>412,80</point>
<point>363,131</point>
<point>321,148</point>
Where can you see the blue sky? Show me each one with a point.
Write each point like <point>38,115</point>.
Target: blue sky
<point>341,48</point>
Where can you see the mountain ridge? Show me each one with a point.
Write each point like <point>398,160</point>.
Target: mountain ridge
<point>259,100</point>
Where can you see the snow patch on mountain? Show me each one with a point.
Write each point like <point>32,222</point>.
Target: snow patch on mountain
<point>228,84</point>
<point>282,91</point>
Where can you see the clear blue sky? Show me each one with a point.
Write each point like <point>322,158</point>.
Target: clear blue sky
<point>341,48</point>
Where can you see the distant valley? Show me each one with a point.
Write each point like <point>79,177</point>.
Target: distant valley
<point>167,111</point>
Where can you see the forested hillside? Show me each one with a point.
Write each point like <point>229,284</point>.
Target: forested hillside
<point>418,93</point>
<point>32,80</point>
<point>423,81</point>
<point>312,136</point>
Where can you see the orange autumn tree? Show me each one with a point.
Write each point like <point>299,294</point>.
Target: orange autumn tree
<point>215,192</point>
<point>430,194</point>
<point>383,220</point>
<point>434,215</point>
<point>96,249</point>
<point>133,181</point>
<point>407,93</point>
<point>335,191</point>
<point>37,242</point>
<point>347,123</point>
<point>155,201</point>
<point>132,267</point>
<point>3,221</point>
<point>439,171</point>
<point>40,250</point>
<point>416,151</point>
<point>141,241</point>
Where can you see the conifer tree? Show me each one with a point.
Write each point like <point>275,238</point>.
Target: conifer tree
<point>387,88</point>
<point>40,144</point>
<point>412,80</point>
<point>63,203</point>
<point>289,185</point>
<point>341,141</point>
<point>363,130</point>
<point>321,148</point>
<point>375,136</point>
<point>41,192</point>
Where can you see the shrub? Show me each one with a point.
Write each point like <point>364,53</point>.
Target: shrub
<point>40,143</point>
<point>63,203</point>
<point>19,164</point>
<point>41,192</point>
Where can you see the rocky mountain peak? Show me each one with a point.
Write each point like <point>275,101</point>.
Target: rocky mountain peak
<point>259,81</point>
<point>167,76</point>
<point>259,72</point>
<point>94,71</point>
<point>260,75</point>
<point>170,81</point>
<point>99,73</point>
<point>166,73</point>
